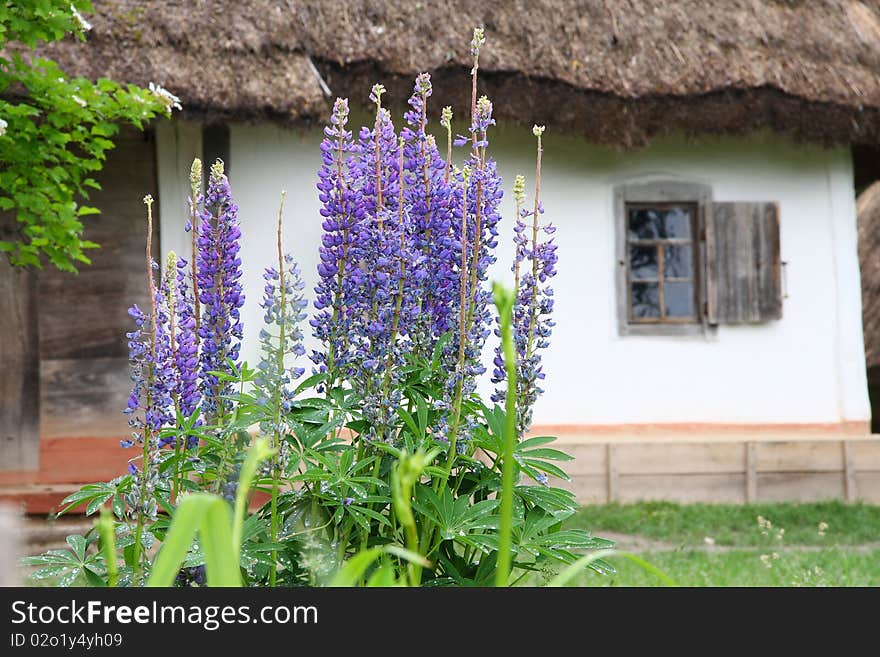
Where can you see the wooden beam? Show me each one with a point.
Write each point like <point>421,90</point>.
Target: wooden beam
<point>40,499</point>
<point>751,473</point>
<point>686,489</point>
<point>11,530</point>
<point>611,473</point>
<point>20,365</point>
<point>849,474</point>
<point>589,434</point>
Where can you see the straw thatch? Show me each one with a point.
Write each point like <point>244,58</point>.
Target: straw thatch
<point>617,71</point>
<point>868,210</point>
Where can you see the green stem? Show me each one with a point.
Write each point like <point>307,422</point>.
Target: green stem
<point>145,454</point>
<point>273,572</point>
<point>504,302</point>
<point>533,306</point>
<point>412,544</point>
<point>107,530</point>
<point>178,473</point>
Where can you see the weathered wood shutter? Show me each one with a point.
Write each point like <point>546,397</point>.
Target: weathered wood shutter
<point>744,278</point>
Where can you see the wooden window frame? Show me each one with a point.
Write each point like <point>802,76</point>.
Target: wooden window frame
<point>662,193</point>
<point>659,243</point>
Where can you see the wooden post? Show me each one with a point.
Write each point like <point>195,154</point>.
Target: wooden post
<point>19,369</point>
<point>611,472</point>
<point>849,474</point>
<point>11,531</point>
<point>751,473</point>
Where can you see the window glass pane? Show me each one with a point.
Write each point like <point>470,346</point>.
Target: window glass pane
<point>679,299</point>
<point>676,223</point>
<point>645,300</point>
<point>659,223</point>
<point>643,262</point>
<point>677,261</point>
<point>644,224</point>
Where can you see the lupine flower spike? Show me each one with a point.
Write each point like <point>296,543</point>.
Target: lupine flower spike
<point>283,305</point>
<point>220,291</point>
<point>192,227</point>
<point>186,357</point>
<point>342,208</point>
<point>534,265</point>
<point>148,395</point>
<point>446,122</point>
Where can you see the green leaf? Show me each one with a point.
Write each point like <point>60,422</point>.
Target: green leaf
<point>546,453</point>
<point>408,419</point>
<point>93,578</point>
<point>78,545</point>
<point>535,441</point>
<point>353,570</point>
<point>49,572</point>
<point>209,515</point>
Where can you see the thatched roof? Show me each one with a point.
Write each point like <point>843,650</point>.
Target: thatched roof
<point>617,71</point>
<point>868,211</point>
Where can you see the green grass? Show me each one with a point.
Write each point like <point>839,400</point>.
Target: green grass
<point>736,525</point>
<point>826,567</point>
<point>740,552</point>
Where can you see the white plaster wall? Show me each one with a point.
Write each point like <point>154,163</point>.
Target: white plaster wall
<point>806,368</point>
<point>177,144</point>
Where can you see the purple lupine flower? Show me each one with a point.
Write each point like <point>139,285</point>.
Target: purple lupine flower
<point>149,359</point>
<point>149,405</point>
<point>139,357</point>
<point>284,306</point>
<point>380,300</point>
<point>163,391</point>
<point>405,254</point>
<point>477,196</point>
<point>341,209</point>
<point>220,291</point>
<point>139,407</point>
<point>186,356</point>
<point>534,265</point>
<point>427,197</point>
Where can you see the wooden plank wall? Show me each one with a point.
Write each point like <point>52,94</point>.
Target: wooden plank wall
<point>732,471</point>
<point>19,369</point>
<point>83,318</point>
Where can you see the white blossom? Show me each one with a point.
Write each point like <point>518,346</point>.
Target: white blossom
<point>83,24</point>
<point>3,125</point>
<point>171,101</point>
<point>79,101</point>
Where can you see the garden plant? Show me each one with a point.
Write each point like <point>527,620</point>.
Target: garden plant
<point>371,460</point>
<point>55,133</point>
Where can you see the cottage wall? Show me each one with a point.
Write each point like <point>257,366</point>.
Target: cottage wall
<point>805,369</point>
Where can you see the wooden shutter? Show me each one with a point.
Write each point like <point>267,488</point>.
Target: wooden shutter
<point>744,279</point>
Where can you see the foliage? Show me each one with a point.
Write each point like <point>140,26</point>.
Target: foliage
<point>220,532</point>
<point>55,132</point>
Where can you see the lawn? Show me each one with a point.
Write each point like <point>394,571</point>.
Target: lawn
<point>820,544</point>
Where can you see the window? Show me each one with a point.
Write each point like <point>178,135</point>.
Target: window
<point>686,264</point>
<point>662,263</point>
